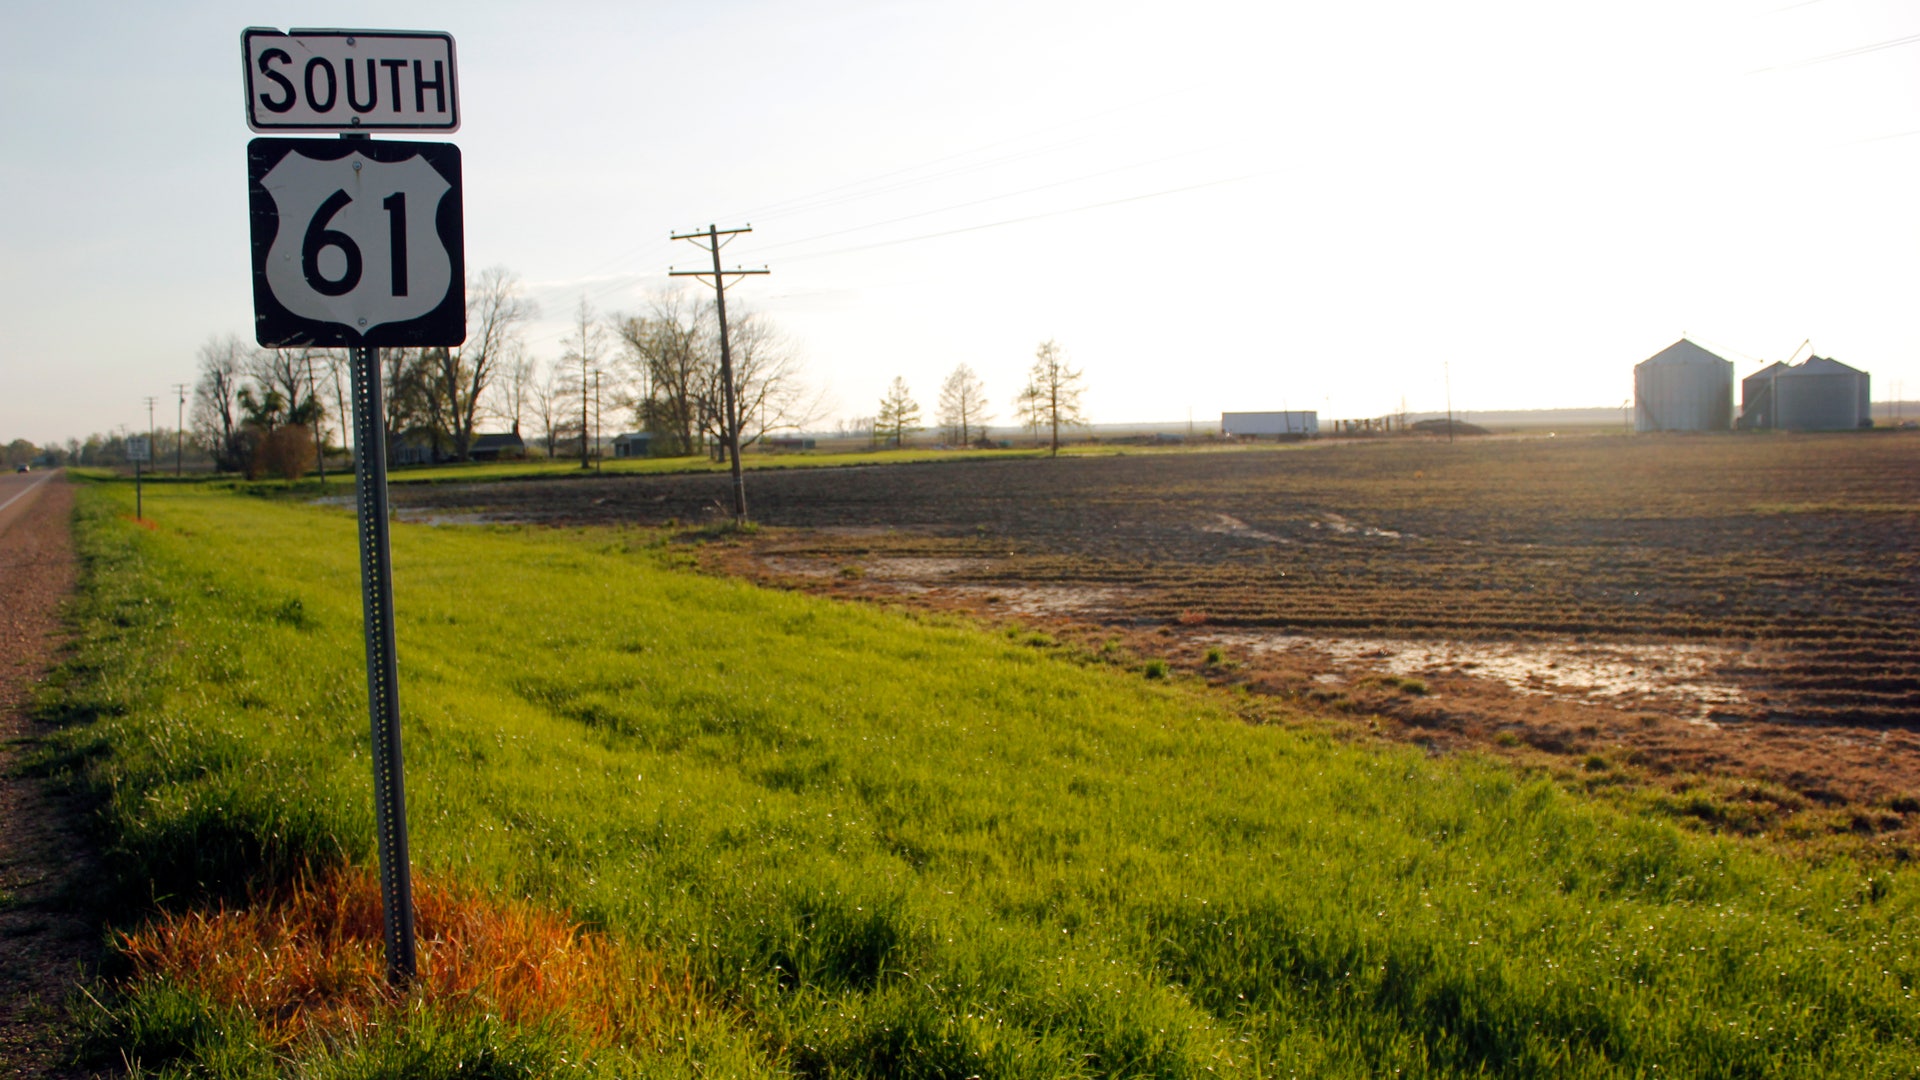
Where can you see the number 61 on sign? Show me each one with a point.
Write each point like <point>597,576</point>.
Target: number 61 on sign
<point>356,243</point>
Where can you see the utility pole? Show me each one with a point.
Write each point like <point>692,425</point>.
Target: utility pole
<point>179,425</point>
<point>139,512</point>
<point>596,421</point>
<point>730,423</point>
<point>1446,372</point>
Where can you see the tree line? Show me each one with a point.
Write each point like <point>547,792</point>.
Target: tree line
<point>277,410</point>
<point>1049,401</point>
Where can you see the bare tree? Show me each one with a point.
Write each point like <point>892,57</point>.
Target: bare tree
<point>664,352</point>
<point>859,427</point>
<point>459,377</point>
<point>549,400</point>
<point>410,404</point>
<point>963,406</point>
<point>513,393</point>
<point>216,399</point>
<point>339,367</point>
<point>1028,406</point>
<point>1052,394</point>
<point>673,354</point>
<point>280,371</point>
<point>899,415</point>
<point>767,388</point>
<point>585,344</point>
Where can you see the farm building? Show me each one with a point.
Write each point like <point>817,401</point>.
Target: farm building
<point>415,446</point>
<point>494,446</point>
<point>1296,424</point>
<point>1683,387</point>
<point>1820,394</point>
<point>633,444</point>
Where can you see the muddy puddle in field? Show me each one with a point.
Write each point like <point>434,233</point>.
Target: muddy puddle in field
<point>1228,525</point>
<point>1344,526</point>
<point>441,517</point>
<point>945,579</point>
<point>1694,681</point>
<point>416,515</point>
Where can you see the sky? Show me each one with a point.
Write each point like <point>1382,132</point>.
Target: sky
<point>1210,206</point>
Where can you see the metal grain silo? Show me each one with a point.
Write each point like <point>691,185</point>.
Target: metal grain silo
<point>1821,395</point>
<point>1683,387</point>
<point>1757,410</point>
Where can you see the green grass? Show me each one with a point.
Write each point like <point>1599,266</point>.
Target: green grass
<point>892,846</point>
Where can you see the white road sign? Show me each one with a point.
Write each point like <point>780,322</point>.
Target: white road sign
<point>357,242</point>
<point>350,80</point>
<point>139,448</point>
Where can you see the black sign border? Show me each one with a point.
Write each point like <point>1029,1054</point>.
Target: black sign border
<point>247,73</point>
<point>275,327</point>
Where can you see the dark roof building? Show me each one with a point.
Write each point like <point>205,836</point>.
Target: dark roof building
<point>496,445</point>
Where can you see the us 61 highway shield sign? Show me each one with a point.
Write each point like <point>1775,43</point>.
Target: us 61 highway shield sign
<point>356,243</point>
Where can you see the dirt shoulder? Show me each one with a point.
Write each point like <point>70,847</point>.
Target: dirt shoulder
<point>46,944</point>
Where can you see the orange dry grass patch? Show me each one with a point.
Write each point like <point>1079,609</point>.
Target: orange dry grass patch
<point>312,958</point>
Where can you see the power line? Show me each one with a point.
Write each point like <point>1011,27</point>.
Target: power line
<point>1029,217</point>
<point>551,334</point>
<point>1843,54</point>
<point>766,212</point>
<point>978,202</point>
<point>818,199</point>
<point>799,205</point>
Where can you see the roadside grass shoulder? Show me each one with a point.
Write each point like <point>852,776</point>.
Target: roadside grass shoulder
<point>882,846</point>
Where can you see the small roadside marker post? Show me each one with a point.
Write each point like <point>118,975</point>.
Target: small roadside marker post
<point>359,244</point>
<point>139,449</point>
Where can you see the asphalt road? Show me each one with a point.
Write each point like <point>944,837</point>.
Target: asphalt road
<point>18,491</point>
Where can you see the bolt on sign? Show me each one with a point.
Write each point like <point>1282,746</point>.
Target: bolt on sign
<point>350,80</point>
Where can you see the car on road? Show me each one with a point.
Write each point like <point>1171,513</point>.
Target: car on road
<point>24,468</point>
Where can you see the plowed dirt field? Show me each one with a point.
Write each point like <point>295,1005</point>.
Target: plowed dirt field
<point>1737,615</point>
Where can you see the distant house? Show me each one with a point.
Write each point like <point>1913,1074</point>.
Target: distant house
<point>414,447</point>
<point>1297,424</point>
<point>497,446</point>
<point>633,444</point>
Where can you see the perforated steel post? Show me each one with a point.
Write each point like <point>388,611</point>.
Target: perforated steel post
<point>383,686</point>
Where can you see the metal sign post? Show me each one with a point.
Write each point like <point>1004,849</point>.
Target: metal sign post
<point>383,678</point>
<point>359,244</point>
